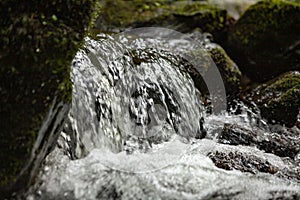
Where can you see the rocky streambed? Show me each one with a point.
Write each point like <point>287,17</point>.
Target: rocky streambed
<point>145,121</point>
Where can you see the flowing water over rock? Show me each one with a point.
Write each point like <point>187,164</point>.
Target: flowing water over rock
<point>135,130</point>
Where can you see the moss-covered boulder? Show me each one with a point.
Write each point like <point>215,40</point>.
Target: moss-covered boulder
<point>229,71</point>
<point>38,41</point>
<point>279,99</point>
<point>182,16</point>
<point>265,40</point>
<point>215,56</point>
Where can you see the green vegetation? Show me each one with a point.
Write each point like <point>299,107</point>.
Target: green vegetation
<point>178,15</point>
<point>279,99</point>
<point>38,42</point>
<point>228,69</point>
<point>265,39</point>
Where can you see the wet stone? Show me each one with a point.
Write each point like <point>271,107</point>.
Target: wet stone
<point>277,96</point>
<point>280,143</point>
<point>284,195</point>
<point>244,163</point>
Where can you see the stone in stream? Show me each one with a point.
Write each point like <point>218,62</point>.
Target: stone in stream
<point>265,40</point>
<point>280,143</point>
<point>38,42</point>
<point>229,71</point>
<point>244,163</point>
<point>279,99</point>
<point>249,163</point>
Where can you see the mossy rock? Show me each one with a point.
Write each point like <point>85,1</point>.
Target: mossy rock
<point>279,99</point>
<point>215,55</point>
<point>181,16</point>
<point>229,71</point>
<point>265,40</point>
<point>38,41</point>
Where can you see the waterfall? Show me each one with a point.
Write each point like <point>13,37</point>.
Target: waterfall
<point>137,128</point>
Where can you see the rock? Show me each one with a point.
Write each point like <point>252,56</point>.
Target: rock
<point>284,195</point>
<point>38,42</point>
<point>279,99</point>
<point>180,16</point>
<point>265,40</point>
<point>283,144</point>
<point>229,71</point>
<point>244,163</point>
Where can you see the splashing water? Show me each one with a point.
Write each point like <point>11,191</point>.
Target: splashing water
<point>133,126</point>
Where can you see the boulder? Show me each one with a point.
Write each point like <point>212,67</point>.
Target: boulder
<point>281,143</point>
<point>229,71</point>
<point>265,41</point>
<point>38,42</point>
<point>243,163</point>
<point>279,99</point>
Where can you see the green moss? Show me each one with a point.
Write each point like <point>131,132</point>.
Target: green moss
<point>278,96</point>
<point>202,15</point>
<point>182,16</point>
<point>230,73</point>
<point>272,14</point>
<point>120,13</point>
<point>38,42</point>
<point>264,39</point>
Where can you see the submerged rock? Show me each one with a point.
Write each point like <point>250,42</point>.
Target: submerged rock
<point>38,42</point>
<point>181,16</point>
<point>279,99</point>
<point>265,40</point>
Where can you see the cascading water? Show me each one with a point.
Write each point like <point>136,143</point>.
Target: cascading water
<point>133,126</point>
<point>132,94</point>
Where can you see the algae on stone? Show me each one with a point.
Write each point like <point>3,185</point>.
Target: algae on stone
<point>214,55</point>
<point>38,40</point>
<point>279,99</point>
<point>228,69</point>
<point>265,40</point>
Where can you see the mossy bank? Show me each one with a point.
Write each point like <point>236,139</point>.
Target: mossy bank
<point>38,41</point>
<point>182,16</point>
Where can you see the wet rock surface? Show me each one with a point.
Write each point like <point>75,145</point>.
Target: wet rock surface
<point>284,195</point>
<point>265,41</point>
<point>283,144</point>
<point>211,57</point>
<point>244,163</point>
<point>229,71</point>
<point>279,99</point>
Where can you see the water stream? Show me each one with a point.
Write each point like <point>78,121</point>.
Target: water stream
<point>137,130</point>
